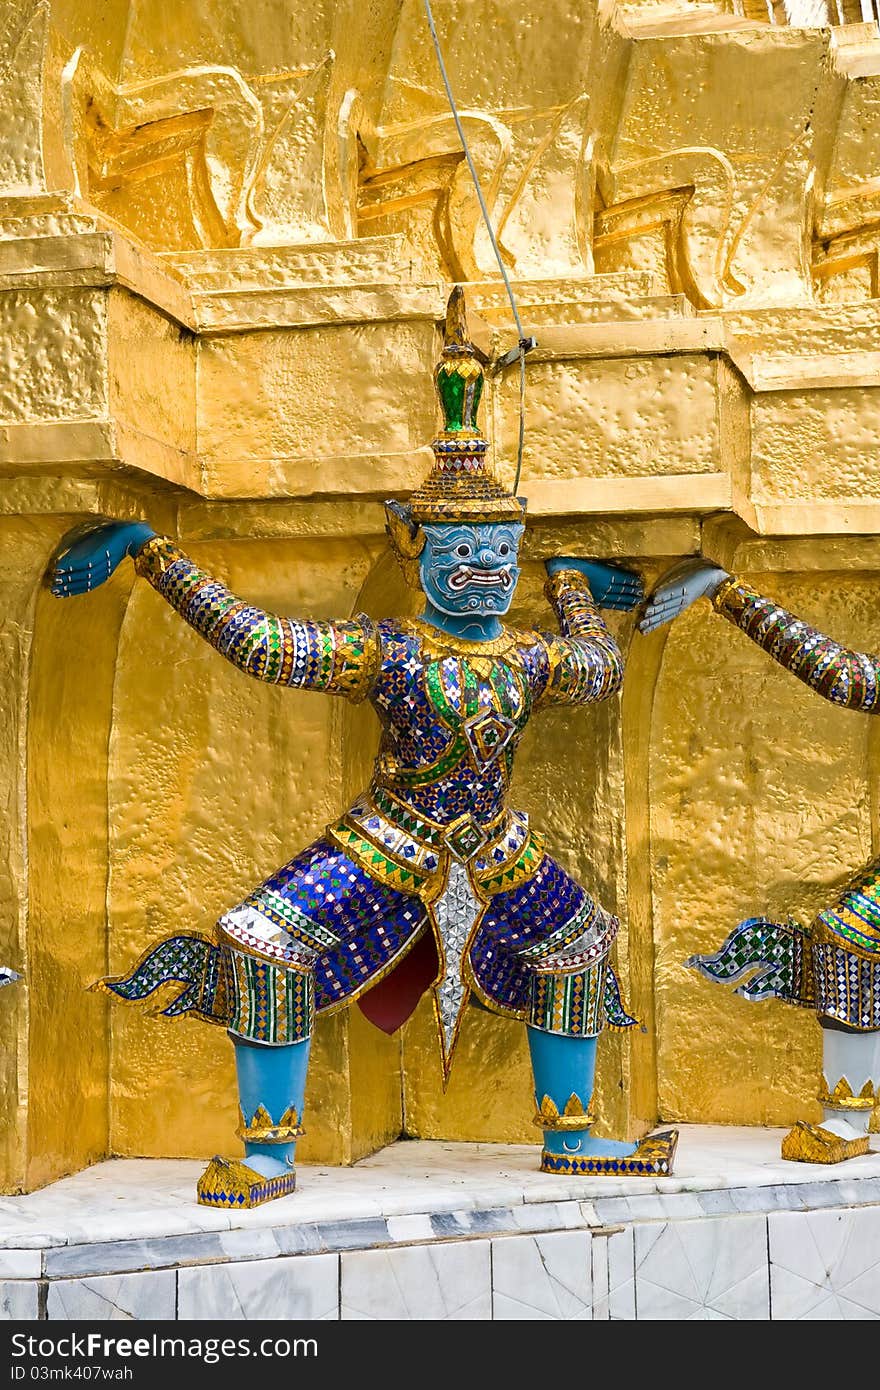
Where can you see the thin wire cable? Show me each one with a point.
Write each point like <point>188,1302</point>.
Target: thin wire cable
<point>491,231</point>
<point>522,417</point>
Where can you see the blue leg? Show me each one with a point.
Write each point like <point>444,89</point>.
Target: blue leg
<point>563,1067</point>
<point>271,1090</point>
<point>270,1027</point>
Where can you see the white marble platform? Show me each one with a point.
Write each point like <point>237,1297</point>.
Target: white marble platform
<point>431,1230</point>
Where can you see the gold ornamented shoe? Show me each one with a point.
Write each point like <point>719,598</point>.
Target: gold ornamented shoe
<point>652,1159</point>
<point>231,1183</point>
<point>812,1144</point>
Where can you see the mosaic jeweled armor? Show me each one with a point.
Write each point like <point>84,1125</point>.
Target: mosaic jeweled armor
<point>431,879</point>
<point>432,847</point>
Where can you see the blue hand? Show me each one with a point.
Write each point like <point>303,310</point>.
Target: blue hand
<point>678,588</point>
<point>612,586</point>
<point>93,557</point>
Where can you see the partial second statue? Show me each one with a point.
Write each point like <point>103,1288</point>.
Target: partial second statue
<point>431,880</point>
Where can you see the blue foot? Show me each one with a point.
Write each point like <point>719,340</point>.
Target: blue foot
<point>587,1144</point>
<point>651,1157</point>
<point>271,1163</point>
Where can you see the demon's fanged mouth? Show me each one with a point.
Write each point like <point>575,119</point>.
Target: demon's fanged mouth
<point>464,575</point>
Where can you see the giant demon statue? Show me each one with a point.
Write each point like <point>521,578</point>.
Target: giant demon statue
<point>431,879</point>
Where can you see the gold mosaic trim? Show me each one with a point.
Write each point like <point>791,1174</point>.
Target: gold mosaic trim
<point>437,644</point>
<point>812,1144</point>
<point>379,864</point>
<point>842,1097</point>
<point>522,866</point>
<point>653,1158</point>
<point>263,1130</point>
<point>158,555</point>
<point>724,592</point>
<point>564,581</point>
<point>824,935</point>
<point>231,1184</point>
<point>574,1114</point>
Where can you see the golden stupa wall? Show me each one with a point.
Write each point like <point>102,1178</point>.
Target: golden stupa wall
<point>227,232</point>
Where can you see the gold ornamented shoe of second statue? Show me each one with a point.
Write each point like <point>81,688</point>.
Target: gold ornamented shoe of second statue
<point>807,1143</point>
<point>232,1184</point>
<point>651,1159</point>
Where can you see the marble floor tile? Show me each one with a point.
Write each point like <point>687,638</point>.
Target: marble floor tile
<point>114,1297</point>
<point>613,1262</point>
<point>19,1300</point>
<point>621,1275</point>
<point>21,1264</point>
<point>825,1265</point>
<point>542,1276</point>
<point>437,1283</point>
<point>715,1268</point>
<point>304,1287</point>
<point>599,1272</point>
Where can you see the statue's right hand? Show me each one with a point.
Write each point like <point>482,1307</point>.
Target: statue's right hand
<point>83,565</point>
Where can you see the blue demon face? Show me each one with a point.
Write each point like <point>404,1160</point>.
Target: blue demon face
<point>471,571</point>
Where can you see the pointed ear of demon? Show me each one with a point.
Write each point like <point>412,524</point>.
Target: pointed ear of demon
<point>407,540</point>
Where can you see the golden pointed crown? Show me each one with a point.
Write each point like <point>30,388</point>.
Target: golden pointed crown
<point>460,486</point>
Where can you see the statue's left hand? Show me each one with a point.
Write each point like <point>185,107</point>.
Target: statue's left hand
<point>92,558</point>
<point>612,586</point>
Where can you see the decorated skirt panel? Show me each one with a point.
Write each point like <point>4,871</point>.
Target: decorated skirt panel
<point>192,973</point>
<point>834,966</point>
<point>325,905</point>
<point>579,1005</point>
<point>530,929</point>
<point>270,1004</point>
<point>509,859</point>
<point>569,1004</point>
<point>847,986</point>
<point>616,1015</point>
<point>771,958</point>
<point>402,849</point>
<point>323,929</point>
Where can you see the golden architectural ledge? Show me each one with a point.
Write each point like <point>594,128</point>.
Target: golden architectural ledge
<point>238,373</point>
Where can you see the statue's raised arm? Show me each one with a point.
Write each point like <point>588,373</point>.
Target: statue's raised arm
<point>838,674</point>
<point>845,677</point>
<point>337,657</point>
<point>832,966</point>
<point>585,663</point>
